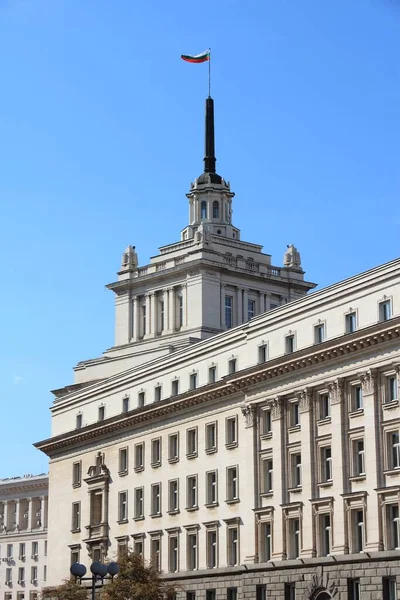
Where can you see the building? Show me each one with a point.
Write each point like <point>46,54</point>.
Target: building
<point>23,536</point>
<point>240,433</point>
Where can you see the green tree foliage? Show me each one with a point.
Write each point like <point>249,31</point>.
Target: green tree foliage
<point>69,590</point>
<point>137,580</point>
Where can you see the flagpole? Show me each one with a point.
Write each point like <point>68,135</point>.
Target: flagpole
<point>209,74</point>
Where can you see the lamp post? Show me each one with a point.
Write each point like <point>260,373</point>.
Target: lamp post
<point>99,573</point>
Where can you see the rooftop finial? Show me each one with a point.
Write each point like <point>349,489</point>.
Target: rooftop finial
<point>209,154</point>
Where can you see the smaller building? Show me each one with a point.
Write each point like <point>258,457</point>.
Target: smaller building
<point>23,536</point>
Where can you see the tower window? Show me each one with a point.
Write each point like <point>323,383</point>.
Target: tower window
<point>215,209</point>
<point>203,210</point>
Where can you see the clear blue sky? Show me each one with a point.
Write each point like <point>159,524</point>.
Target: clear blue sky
<point>102,132</point>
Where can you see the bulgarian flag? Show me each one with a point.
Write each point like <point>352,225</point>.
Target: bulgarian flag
<point>198,58</point>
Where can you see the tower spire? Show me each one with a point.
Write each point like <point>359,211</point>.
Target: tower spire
<point>209,152</point>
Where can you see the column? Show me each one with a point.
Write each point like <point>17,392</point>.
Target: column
<point>171,309</point>
<point>166,315</point>
<point>29,511</point>
<point>42,515</point>
<point>307,472</point>
<point>239,306</point>
<point>185,305</point>
<point>135,318</point>
<point>267,301</point>
<point>147,303</point>
<point>245,304</point>
<point>260,308</point>
<point>6,515</point>
<point>222,307</point>
<point>17,514</point>
<point>153,314</point>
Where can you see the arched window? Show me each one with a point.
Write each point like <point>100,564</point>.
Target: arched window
<point>215,209</point>
<point>203,210</point>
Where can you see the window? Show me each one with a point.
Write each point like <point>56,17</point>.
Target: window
<point>295,469</point>
<point>319,333</point>
<point>325,534</point>
<point>173,496</point>
<point>123,506</point>
<point>289,344</point>
<point>211,488</point>
<point>251,309</point>
<point>294,409</point>
<point>261,592</point>
<point>190,595</point>
<point>143,318</point>
<point>324,406</point>
<point>175,387</point>
<point>139,457</point>
<point>385,311</point>
<point>358,458</point>
<point>262,353</point>
<point>76,474</point>
<point>141,399</point>
<point>123,461</point>
<point>34,575</point>
<point>215,209</point>
<point>231,432</point>
<point>358,530</point>
<point>45,547</point>
<point>35,549</point>
<point>390,390</point>
<point>211,437</point>
<point>156,452</point>
<point>74,555</point>
<point>356,397</point>
<point>21,575</point>
<point>351,322</point>
<point>78,421</point>
<point>162,315</point>
<point>122,548</point>
<point>101,413</point>
<point>266,422</point>
<point>191,492</point>
<point>8,575</point>
<point>294,538</point>
<point>191,442</point>
<point>138,545</point>
<point>76,518</point>
<point>203,209</point>
<point>138,503</point>
<point>326,464</point>
<point>173,447</point>
<point>156,499</point>
<point>212,548</point>
<point>290,591</point>
<point>232,484</point>
<point>353,589</point>
<point>22,551</point>
<point>392,518</point>
<point>389,588</point>
<point>191,551</point>
<point>212,374</point>
<point>267,476</point>
<point>173,554</point>
<point>232,364</point>
<point>266,541</point>
<point>231,593</point>
<point>193,381</point>
<point>157,393</point>
<point>125,404</point>
<point>155,552</point>
<point>180,310</point>
<point>228,312</point>
<point>233,546</point>
<point>393,453</point>
<point>9,551</point>
<point>211,595</point>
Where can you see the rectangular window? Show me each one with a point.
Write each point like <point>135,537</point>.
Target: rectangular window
<point>193,381</point>
<point>290,591</point>
<point>212,549</point>
<point>319,334</point>
<point>211,595</point>
<point>393,450</point>
<point>173,447</point>
<point>190,595</point>
<point>139,503</point>
<point>211,437</point>
<point>173,554</point>
<point>267,476</point>
<point>156,452</point>
<point>34,575</point>
<point>353,589</point>
<point>231,435</point>
<point>356,397</point>
<point>35,549</point>
<point>233,546</point>
<point>123,506</point>
<point>212,374</point>
<point>101,413</point>
<point>351,322</point>
<point>266,422</point>
<point>325,534</point>
<point>231,593</point>
<point>232,484</point>
<point>391,389</point>
<point>78,424</point>
<point>289,344</point>
<point>173,496</point>
<point>123,461</point>
<point>76,517</point>
<point>125,405</point>
<point>393,532</point>
<point>191,492</point>
<point>155,552</point>
<point>10,553</point>
<point>77,474</point>
<point>157,393</point>
<point>261,592</point>
<point>326,464</point>
<point>385,312</point>
<point>211,488</point>
<point>262,353</point>
<point>156,499</point>
<point>232,366</point>
<point>75,556</point>
<point>266,542</point>
<point>180,308</point>
<point>324,406</point>
<point>295,463</point>
<point>228,311</point>
<point>358,458</point>
<point>139,457</point>
<point>294,408</point>
<point>22,551</point>
<point>21,575</point>
<point>8,575</point>
<point>175,387</point>
<point>358,530</point>
<point>138,546</point>
<point>251,309</point>
<point>389,588</point>
<point>191,551</point>
<point>162,315</point>
<point>141,399</point>
<point>143,315</point>
<point>294,538</point>
<point>191,442</point>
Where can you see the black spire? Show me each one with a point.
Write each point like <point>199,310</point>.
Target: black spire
<point>209,175</point>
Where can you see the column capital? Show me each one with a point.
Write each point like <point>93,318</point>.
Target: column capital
<point>335,389</point>
<point>249,413</point>
<point>368,380</point>
<point>304,396</point>
<point>276,407</point>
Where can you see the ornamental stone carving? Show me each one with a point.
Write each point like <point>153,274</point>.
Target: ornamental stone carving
<point>321,586</point>
<point>368,381</point>
<point>276,408</point>
<point>335,389</point>
<point>249,413</point>
<point>304,397</point>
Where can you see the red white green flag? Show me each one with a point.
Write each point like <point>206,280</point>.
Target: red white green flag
<point>197,58</point>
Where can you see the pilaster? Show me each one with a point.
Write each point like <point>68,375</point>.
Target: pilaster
<point>239,305</point>
<point>153,314</point>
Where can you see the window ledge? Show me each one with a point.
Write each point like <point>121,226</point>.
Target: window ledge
<point>266,436</point>
<point>392,471</point>
<point>138,469</point>
<point>156,515</point>
<point>389,405</point>
<point>122,521</point>
<point>359,477</point>
<point>324,484</point>
<point>123,473</point>
<point>155,465</point>
<point>231,445</point>
<point>173,512</point>
<point>74,531</point>
<point>358,412</point>
<point>211,504</point>
<point>211,450</point>
<point>294,490</point>
<point>267,494</point>
<point>141,518</point>
<point>191,508</point>
<point>233,501</point>
<point>173,460</point>
<point>191,455</point>
<point>76,485</point>
<point>294,428</point>
<point>324,421</point>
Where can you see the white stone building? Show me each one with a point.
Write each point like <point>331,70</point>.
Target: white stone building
<point>242,434</point>
<point>23,536</point>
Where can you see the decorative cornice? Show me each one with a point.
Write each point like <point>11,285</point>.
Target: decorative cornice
<point>232,385</point>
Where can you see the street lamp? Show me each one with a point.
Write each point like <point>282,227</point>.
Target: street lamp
<point>99,572</point>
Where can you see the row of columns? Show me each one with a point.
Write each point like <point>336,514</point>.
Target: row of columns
<point>12,520</point>
<point>241,297</point>
<point>152,317</point>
